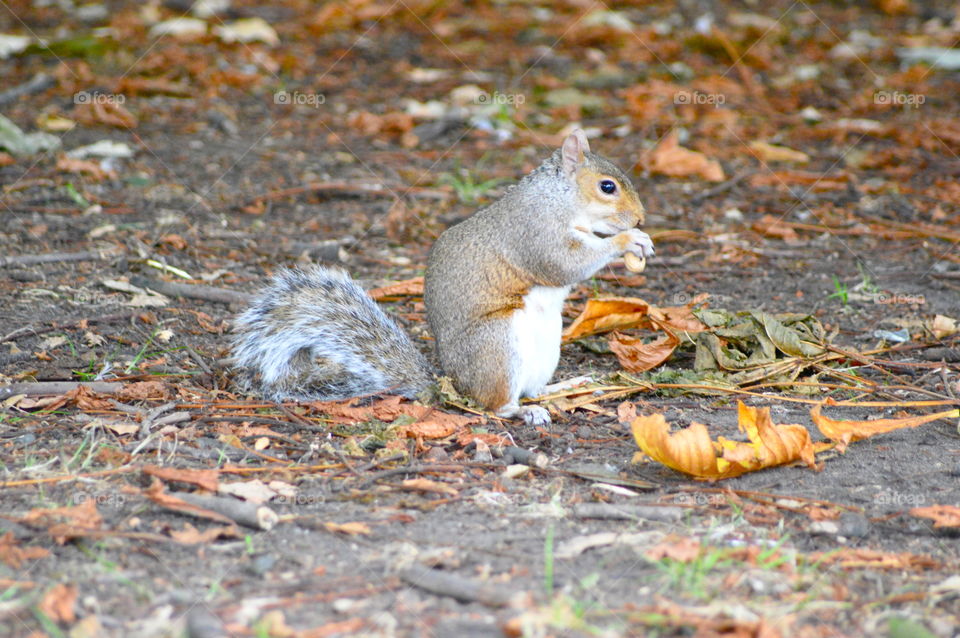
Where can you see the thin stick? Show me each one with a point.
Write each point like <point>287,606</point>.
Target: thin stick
<point>192,291</point>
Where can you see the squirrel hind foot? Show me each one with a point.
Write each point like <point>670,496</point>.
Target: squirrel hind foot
<point>531,414</point>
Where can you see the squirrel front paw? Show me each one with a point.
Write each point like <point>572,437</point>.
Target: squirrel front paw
<point>635,241</point>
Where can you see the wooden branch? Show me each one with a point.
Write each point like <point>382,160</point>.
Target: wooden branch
<point>447,584</point>
<point>665,513</point>
<point>242,512</point>
<point>54,388</point>
<point>192,291</point>
<point>86,255</point>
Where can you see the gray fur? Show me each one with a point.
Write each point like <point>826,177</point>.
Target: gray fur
<point>316,335</point>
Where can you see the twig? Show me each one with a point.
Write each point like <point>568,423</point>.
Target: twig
<point>86,255</point>
<point>43,388</point>
<point>39,82</point>
<point>447,584</point>
<point>665,513</point>
<point>242,512</point>
<point>192,291</point>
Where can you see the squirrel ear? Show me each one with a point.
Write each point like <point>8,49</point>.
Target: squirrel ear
<point>573,149</point>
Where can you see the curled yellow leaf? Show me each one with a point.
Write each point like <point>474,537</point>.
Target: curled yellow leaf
<point>691,450</point>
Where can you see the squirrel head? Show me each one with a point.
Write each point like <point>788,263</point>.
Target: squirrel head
<point>607,199</point>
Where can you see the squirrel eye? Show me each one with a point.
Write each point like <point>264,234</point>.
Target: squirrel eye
<point>608,186</point>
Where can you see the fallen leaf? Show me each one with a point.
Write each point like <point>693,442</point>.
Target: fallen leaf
<point>636,356</point>
<point>775,153</point>
<point>771,226</point>
<point>205,479</point>
<point>59,602</point>
<point>247,30</point>
<point>693,452</point>
<point>190,535</point>
<point>351,529</point>
<point>426,485</point>
<point>845,432</point>
<point>407,288</point>
<point>672,160</point>
<point>942,515</point>
<point>13,555</point>
<point>621,313</point>
<point>254,491</point>
<point>61,522</point>
<point>943,326</point>
<point>91,168</point>
<point>683,550</point>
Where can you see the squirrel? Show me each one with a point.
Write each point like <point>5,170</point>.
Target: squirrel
<point>494,289</point>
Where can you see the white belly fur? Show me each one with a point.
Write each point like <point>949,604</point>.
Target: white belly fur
<point>536,332</point>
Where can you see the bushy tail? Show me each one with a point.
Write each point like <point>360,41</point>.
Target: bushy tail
<point>315,334</point>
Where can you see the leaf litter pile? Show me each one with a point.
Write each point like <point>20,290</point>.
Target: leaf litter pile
<point>756,437</point>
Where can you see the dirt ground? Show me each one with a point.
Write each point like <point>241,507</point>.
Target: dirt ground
<point>353,133</point>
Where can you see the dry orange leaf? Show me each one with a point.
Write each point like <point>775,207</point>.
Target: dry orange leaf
<point>206,479</point>
<point>58,604</point>
<point>13,555</point>
<point>426,485</point>
<point>63,522</point>
<point>604,315</point>
<point>775,153</point>
<point>351,529</point>
<point>621,313</point>
<point>636,356</point>
<point>693,452</point>
<point>672,160</point>
<point>407,288</point>
<point>683,550</point>
<point>942,515</point>
<point>91,168</point>
<point>846,431</point>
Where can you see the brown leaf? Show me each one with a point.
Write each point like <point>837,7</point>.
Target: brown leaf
<point>621,313</point>
<point>350,529</point>
<point>774,227</point>
<point>636,356</point>
<point>672,160</point>
<point>59,602</point>
<point>767,152</point>
<point>6,159</point>
<point>426,485</point>
<point>942,515</point>
<point>407,288</point>
<point>91,168</point>
<point>205,479</point>
<point>190,535</point>
<point>13,555</point>
<point>60,521</point>
<point>684,550</point>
